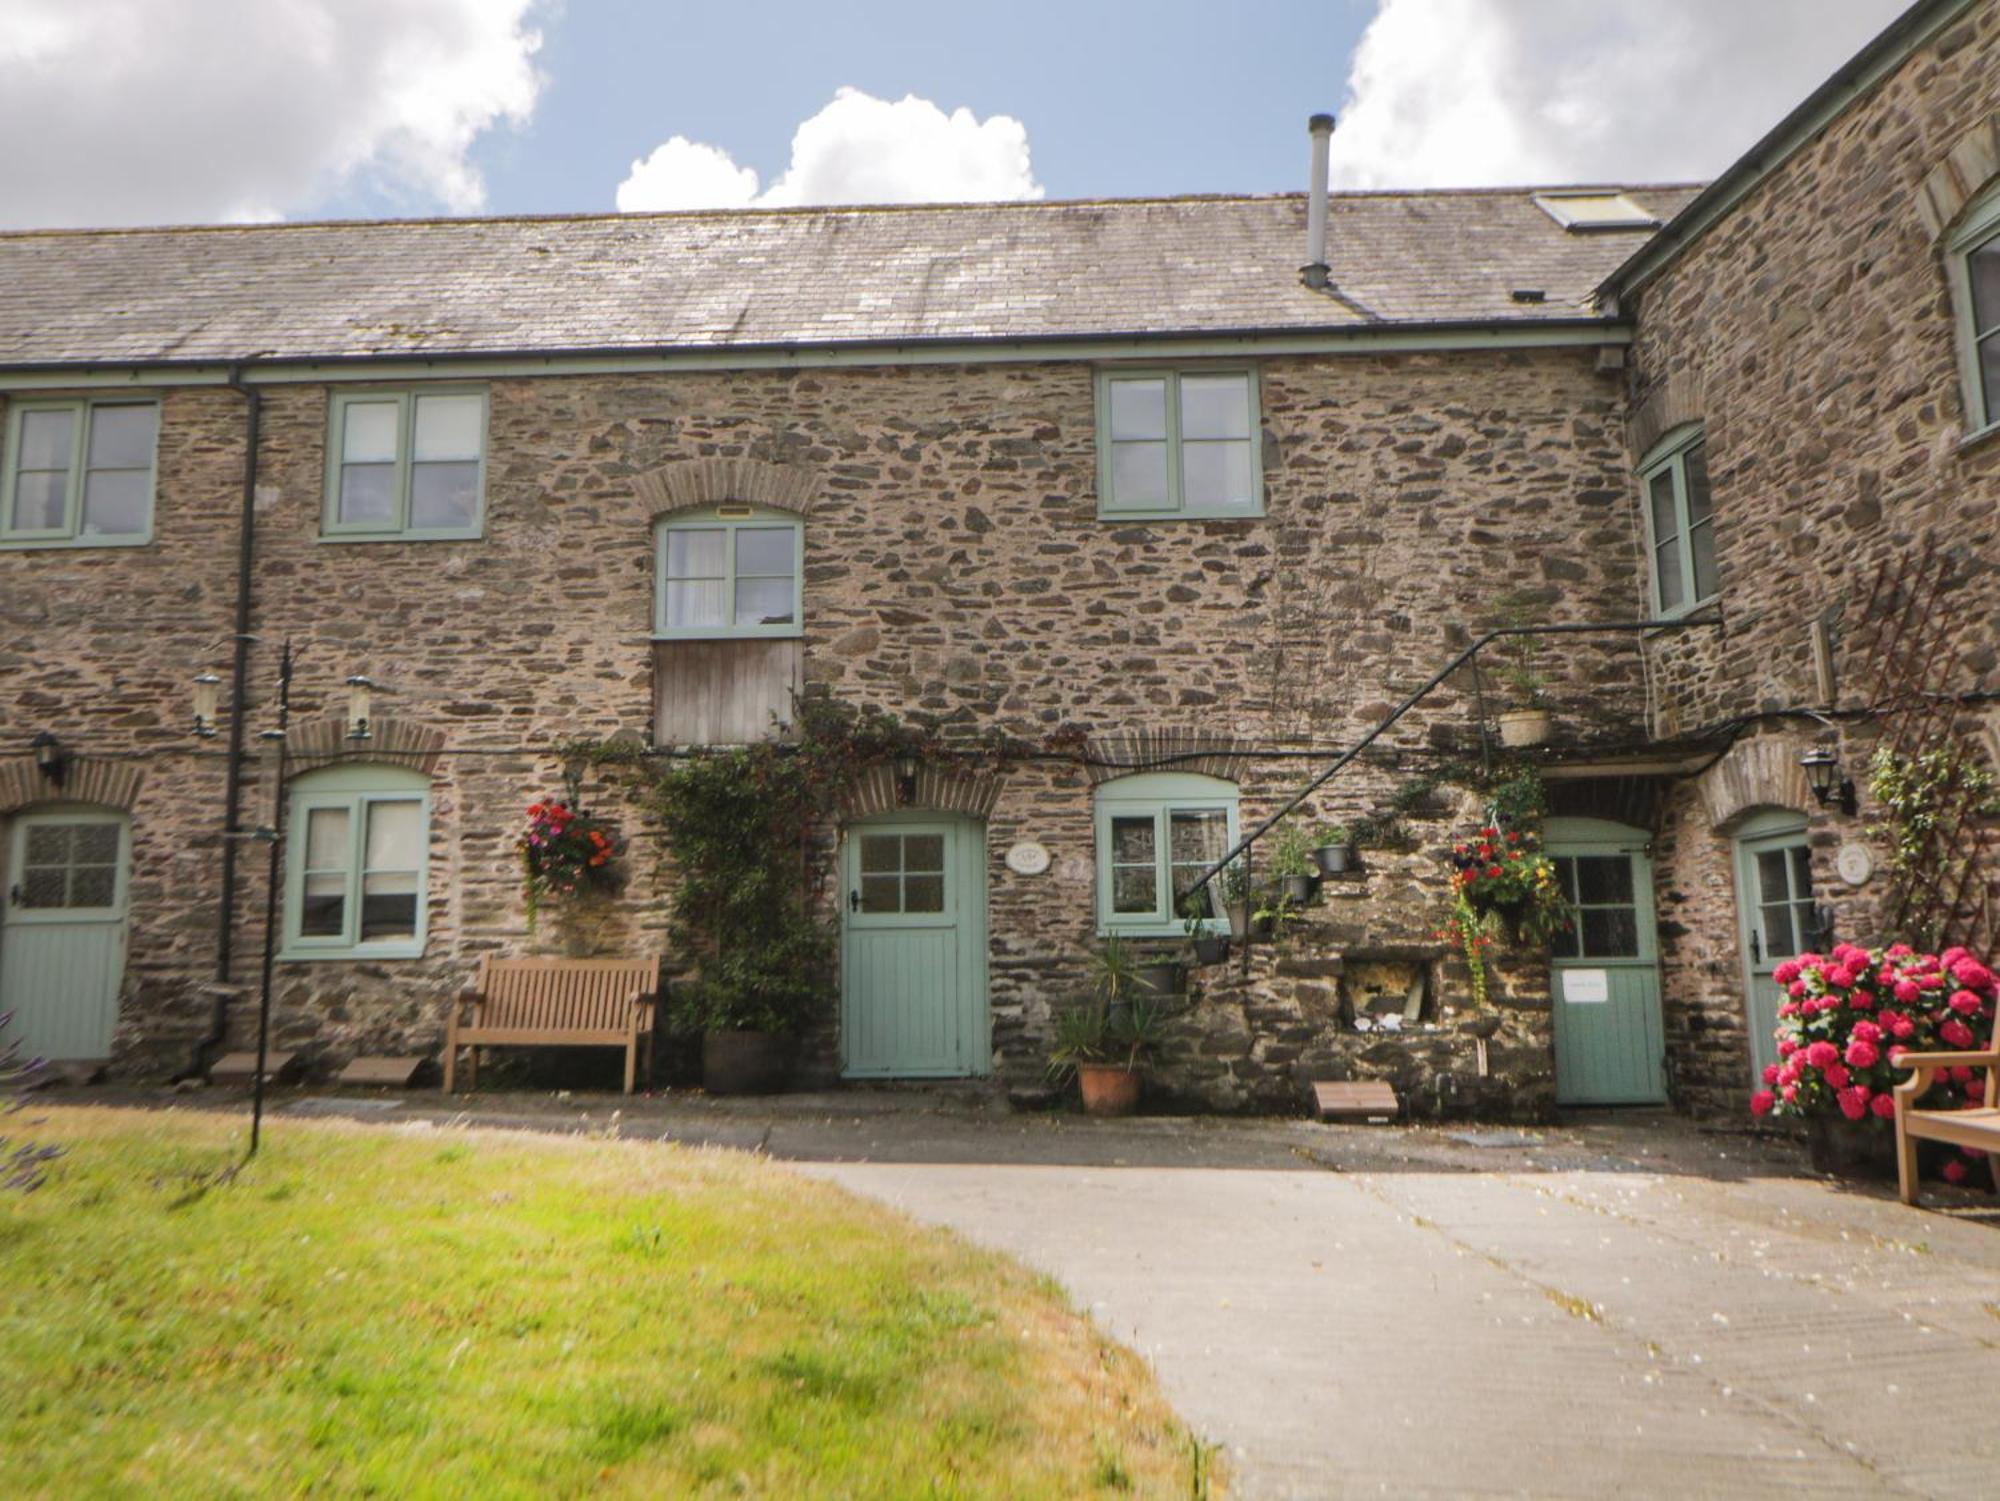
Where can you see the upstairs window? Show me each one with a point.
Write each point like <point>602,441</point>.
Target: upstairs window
<point>78,473</point>
<point>1974,263</point>
<point>1157,832</point>
<point>1680,521</point>
<point>358,853</point>
<point>406,465</point>
<point>729,571</point>
<point>1178,443</point>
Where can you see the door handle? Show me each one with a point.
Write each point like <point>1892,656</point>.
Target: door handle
<point>14,894</point>
<point>853,901</point>
<point>1756,948</point>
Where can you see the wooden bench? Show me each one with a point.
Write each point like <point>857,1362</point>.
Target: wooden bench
<point>1962,1128</point>
<point>554,1003</point>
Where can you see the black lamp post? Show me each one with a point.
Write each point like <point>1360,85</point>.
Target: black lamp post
<point>1822,768</point>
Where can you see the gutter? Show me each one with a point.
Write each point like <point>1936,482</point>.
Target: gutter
<point>239,674</point>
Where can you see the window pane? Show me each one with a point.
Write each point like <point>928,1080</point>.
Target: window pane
<point>1660,492</point>
<point>923,852</point>
<point>389,906</point>
<point>444,497</point>
<point>1801,873</point>
<point>93,886</point>
<point>1610,933</point>
<point>323,906</point>
<point>1989,376</point>
<point>42,886</point>
<point>881,894</point>
<point>1565,945</point>
<point>1779,939</point>
<point>880,853</point>
<point>1695,467</point>
<point>923,894</point>
<point>1771,882</point>
<point>114,502</point>
<point>121,437</point>
<point>764,550</point>
<point>45,439</point>
<point>1132,841</point>
<point>691,606</point>
<point>693,553</point>
<point>763,601</point>
<point>395,835</point>
<point>1604,880</point>
<point>40,498</point>
<point>368,432</point>
<point>1198,835</point>
<point>1667,570</point>
<point>1139,477</point>
<point>1701,543</point>
<point>1133,888</point>
<point>448,428</point>
<point>1215,476</point>
<point>1215,406</point>
<point>1138,409</point>
<point>327,847</point>
<point>1983,267</point>
<point>95,844</point>
<point>365,492</point>
<point>48,844</point>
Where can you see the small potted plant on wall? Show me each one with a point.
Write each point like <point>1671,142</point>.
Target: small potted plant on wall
<point>1527,720</point>
<point>1333,849</point>
<point>570,858</point>
<point>1102,1046</point>
<point>1205,947</point>
<point>1292,861</point>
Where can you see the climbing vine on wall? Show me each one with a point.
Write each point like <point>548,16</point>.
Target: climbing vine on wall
<point>1928,799</point>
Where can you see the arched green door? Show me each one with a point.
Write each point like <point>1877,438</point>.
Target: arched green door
<point>62,931</point>
<point>1610,1042</point>
<point>1774,900</point>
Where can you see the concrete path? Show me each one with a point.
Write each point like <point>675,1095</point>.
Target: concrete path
<point>1360,1329</point>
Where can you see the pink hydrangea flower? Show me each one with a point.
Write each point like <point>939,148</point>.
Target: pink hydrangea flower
<point>1821,1054</point>
<point>1902,1026</point>
<point>1787,1046</point>
<point>1862,1000</point>
<point>1853,1101</point>
<point>1972,974</point>
<point>1964,1002</point>
<point>1837,1076</point>
<point>1950,956</point>
<point>1770,1073</point>
<point>1797,987</point>
<point>1787,972</point>
<point>1762,1102</point>
<point>1884,1105</point>
<point>1866,1032</point>
<point>1954,1171</point>
<point>1863,1054</point>
<point>1791,1093</point>
<point>1841,978</point>
<point>1908,991</point>
<point>1957,1033</point>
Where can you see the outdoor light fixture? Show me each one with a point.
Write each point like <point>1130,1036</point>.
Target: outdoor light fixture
<point>1828,785</point>
<point>906,778</point>
<point>207,694</point>
<point>51,760</point>
<point>359,691</point>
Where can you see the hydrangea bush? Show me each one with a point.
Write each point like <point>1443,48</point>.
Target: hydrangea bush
<point>1846,1016</point>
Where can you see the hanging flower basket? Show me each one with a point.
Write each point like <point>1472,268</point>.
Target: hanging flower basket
<point>565,854</point>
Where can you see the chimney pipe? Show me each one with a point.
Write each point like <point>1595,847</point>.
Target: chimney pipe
<point>1314,271</point>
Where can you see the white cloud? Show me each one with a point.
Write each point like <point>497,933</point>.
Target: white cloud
<point>1497,92</point>
<point>152,111</point>
<point>858,149</point>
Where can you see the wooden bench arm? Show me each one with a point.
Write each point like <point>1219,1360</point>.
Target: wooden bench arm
<point>465,1005</point>
<point>1924,1067</point>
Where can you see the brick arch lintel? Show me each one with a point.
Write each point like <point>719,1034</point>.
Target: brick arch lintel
<point>1126,753</point>
<point>1759,773</point>
<point>321,743</point>
<point>105,783</point>
<point>1678,400</point>
<point>1972,164</point>
<point>939,789</point>
<point>707,482</point>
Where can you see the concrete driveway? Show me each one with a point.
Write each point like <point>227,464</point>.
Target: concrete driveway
<point>1632,1309</point>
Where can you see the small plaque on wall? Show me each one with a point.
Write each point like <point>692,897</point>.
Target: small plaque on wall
<point>1028,858</point>
<point>1586,987</point>
<point>1855,864</point>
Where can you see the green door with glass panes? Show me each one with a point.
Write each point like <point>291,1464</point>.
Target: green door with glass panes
<point>913,949</point>
<point>1605,979</point>
<point>62,931</point>
<point>1774,903</point>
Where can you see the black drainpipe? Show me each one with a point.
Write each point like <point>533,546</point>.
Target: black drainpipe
<point>239,673</point>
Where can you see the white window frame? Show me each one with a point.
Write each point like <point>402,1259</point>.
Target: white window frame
<point>1670,455</point>
<point>1160,795</point>
<point>354,788</point>
<point>71,533</point>
<point>1977,228</point>
<point>1108,508</point>
<point>398,529</point>
<point>732,520</point>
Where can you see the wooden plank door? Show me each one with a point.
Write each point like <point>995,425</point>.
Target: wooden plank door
<point>1610,1040</point>
<point>913,950</point>
<point>62,931</point>
<point>1774,901</point>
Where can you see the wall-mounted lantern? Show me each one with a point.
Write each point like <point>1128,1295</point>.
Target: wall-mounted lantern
<point>207,701</point>
<point>906,779</point>
<point>360,698</point>
<point>1822,768</point>
<point>51,760</point>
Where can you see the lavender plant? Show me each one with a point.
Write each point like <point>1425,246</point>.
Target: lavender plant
<point>23,1164</point>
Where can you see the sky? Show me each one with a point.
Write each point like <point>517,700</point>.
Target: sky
<point>183,111</point>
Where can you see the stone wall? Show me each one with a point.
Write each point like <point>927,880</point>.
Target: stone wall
<point>955,566</point>
<point>1811,331</point>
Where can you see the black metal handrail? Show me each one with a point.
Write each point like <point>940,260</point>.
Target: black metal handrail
<point>1346,757</point>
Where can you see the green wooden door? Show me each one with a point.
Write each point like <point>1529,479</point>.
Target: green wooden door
<point>1774,902</point>
<point>913,954</point>
<point>62,932</point>
<point>1610,1044</point>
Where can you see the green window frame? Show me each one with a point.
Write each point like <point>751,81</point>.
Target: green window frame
<point>1175,824</point>
<point>1680,523</point>
<point>716,566</point>
<point>1175,443</point>
<point>94,461</point>
<point>357,864</point>
<point>1972,261</point>
<point>406,465</point>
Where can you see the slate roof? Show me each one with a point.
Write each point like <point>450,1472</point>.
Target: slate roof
<point>763,278</point>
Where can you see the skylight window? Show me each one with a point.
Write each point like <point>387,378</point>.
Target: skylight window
<point>1581,213</point>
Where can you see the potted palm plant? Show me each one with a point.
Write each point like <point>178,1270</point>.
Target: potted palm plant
<point>1293,863</point>
<point>1102,1045</point>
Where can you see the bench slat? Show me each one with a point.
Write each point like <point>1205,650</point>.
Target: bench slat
<point>556,1002</point>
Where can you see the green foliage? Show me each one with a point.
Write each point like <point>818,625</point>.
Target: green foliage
<point>1093,1029</point>
<point>1331,834</point>
<point>1292,850</point>
<point>1926,798</point>
<point>1521,656</point>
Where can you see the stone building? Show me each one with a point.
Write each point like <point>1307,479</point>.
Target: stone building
<point>1117,482</point>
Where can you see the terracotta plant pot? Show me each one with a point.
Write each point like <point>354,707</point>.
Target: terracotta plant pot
<point>1863,1150</point>
<point>1520,728</point>
<point>1107,1089</point>
<point>1334,859</point>
<point>745,1062</point>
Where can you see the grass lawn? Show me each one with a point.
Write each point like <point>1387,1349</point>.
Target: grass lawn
<point>367,1311</point>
